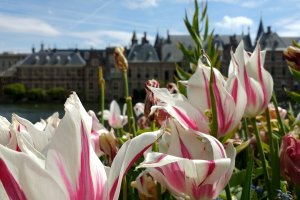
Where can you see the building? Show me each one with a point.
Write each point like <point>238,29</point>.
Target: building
<point>77,69</point>
<point>7,60</point>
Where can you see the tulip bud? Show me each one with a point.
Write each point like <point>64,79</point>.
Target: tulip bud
<point>290,157</point>
<point>120,59</point>
<point>292,57</point>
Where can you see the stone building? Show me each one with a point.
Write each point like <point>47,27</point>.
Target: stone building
<point>8,59</point>
<point>77,69</point>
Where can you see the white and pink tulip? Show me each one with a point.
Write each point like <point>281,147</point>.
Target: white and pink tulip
<point>191,112</point>
<point>194,165</point>
<point>258,82</point>
<point>67,167</point>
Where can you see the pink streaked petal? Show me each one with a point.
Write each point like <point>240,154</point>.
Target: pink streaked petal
<point>202,191</point>
<point>127,155</point>
<point>30,175</point>
<point>85,188</point>
<point>11,186</point>
<point>185,119</point>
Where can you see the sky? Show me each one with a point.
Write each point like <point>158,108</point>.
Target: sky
<point>98,24</point>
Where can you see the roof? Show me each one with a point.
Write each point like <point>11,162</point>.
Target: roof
<point>142,53</point>
<point>53,58</point>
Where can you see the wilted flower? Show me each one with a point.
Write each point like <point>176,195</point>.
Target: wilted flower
<point>146,186</point>
<point>120,59</point>
<point>290,157</point>
<point>258,82</point>
<point>172,87</point>
<point>292,57</point>
<point>150,100</point>
<point>114,117</point>
<point>103,141</point>
<point>139,109</point>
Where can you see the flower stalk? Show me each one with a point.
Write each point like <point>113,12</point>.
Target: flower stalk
<point>273,158</point>
<point>279,119</point>
<point>262,156</point>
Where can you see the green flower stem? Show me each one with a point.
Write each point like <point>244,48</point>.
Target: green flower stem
<point>245,128</point>
<point>131,120</point>
<point>158,191</point>
<point>118,133</point>
<point>125,78</point>
<point>124,188</point>
<point>262,156</point>
<point>275,179</point>
<point>279,119</point>
<point>102,94</point>
<point>228,193</point>
<point>297,192</point>
<point>214,120</point>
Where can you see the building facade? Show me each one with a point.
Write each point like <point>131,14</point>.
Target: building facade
<point>77,69</point>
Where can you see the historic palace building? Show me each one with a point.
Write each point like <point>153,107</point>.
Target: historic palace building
<point>77,69</point>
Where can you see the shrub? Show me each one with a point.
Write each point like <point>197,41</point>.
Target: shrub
<point>16,91</point>
<point>57,93</point>
<point>36,94</point>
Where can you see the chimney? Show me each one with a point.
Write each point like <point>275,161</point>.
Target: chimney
<point>269,29</point>
<point>33,50</point>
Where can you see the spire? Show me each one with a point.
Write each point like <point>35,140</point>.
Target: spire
<point>168,37</point>
<point>260,30</point>
<point>157,39</point>
<point>134,38</point>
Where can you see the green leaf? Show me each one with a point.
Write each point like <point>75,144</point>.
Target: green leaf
<point>295,44</point>
<point>294,95</point>
<point>248,178</point>
<point>237,178</point>
<point>181,88</point>
<point>242,146</point>
<point>182,75</point>
<point>295,73</point>
<point>195,19</point>
<point>206,28</point>
<point>188,54</point>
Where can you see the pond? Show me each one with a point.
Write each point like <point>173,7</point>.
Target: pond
<point>35,112</point>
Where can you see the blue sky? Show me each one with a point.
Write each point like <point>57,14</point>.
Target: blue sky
<point>101,23</point>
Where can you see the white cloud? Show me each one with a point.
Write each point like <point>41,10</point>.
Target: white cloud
<point>234,22</point>
<point>136,4</point>
<point>103,38</point>
<point>26,25</point>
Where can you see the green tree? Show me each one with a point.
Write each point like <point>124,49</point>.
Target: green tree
<point>16,91</point>
<point>36,94</point>
<point>57,94</point>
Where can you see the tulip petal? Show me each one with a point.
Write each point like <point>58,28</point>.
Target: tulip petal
<point>179,108</point>
<point>193,144</point>
<point>127,155</point>
<point>34,180</point>
<point>186,177</point>
<point>38,138</point>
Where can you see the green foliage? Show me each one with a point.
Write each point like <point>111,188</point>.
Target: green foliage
<point>57,93</point>
<point>203,39</point>
<point>36,94</point>
<point>16,91</point>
